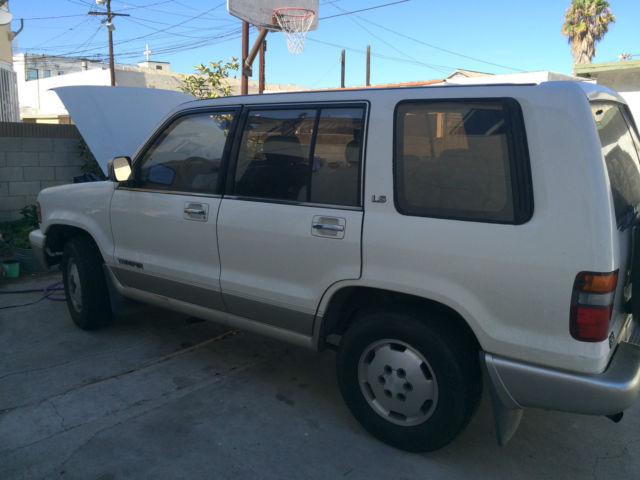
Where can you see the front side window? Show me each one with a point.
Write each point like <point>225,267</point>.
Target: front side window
<point>187,156</point>
<point>455,160</point>
<point>620,149</point>
<point>304,155</point>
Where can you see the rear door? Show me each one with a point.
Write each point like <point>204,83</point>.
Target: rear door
<point>290,224</point>
<point>164,220</point>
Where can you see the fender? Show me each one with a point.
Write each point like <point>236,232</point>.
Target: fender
<point>431,296</point>
<point>85,206</point>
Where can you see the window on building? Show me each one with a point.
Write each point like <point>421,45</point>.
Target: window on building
<point>61,73</point>
<point>32,74</point>
<point>158,67</point>
<point>47,73</point>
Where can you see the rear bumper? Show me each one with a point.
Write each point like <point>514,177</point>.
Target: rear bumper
<point>518,385</point>
<point>37,240</point>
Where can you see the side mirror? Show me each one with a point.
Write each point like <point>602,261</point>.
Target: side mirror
<point>120,169</point>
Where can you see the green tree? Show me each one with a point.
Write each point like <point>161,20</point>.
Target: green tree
<point>210,83</point>
<point>585,23</point>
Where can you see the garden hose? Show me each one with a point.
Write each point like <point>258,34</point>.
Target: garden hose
<point>50,292</point>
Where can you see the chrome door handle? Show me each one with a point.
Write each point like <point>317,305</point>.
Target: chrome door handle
<point>328,226</point>
<point>194,211</point>
<point>197,212</point>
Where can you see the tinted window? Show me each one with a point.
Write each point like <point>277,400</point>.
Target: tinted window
<point>306,155</point>
<point>336,160</point>
<point>452,160</point>
<point>187,156</point>
<point>273,161</point>
<point>620,151</point>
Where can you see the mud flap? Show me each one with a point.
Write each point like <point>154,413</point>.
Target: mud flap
<point>120,305</point>
<point>506,412</point>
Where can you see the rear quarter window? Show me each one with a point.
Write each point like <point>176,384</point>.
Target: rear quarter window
<point>620,150</point>
<point>462,159</point>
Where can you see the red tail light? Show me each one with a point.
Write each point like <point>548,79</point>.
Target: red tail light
<point>592,305</point>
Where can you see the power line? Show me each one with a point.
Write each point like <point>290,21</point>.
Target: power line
<point>363,9</point>
<point>386,57</point>
<point>401,52</point>
<point>55,18</point>
<point>85,20</point>
<point>155,4</point>
<point>440,48</point>
<point>157,31</point>
<point>451,52</point>
<point>170,27</point>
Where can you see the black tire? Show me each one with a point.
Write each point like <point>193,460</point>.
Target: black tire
<point>84,284</point>
<point>443,377</point>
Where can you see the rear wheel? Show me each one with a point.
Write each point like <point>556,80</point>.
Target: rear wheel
<point>413,383</point>
<point>84,284</point>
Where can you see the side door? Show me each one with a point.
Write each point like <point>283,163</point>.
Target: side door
<point>290,223</point>
<point>164,219</point>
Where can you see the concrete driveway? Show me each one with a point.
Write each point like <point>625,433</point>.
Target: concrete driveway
<point>146,398</point>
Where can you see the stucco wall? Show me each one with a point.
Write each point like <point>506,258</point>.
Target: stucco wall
<point>33,157</point>
<point>5,43</point>
<point>627,84</point>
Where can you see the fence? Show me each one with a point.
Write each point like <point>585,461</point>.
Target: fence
<point>33,157</point>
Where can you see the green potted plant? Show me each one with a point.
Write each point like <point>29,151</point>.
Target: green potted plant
<point>16,233</point>
<point>9,265</point>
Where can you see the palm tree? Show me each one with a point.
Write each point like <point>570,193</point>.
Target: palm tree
<point>585,23</point>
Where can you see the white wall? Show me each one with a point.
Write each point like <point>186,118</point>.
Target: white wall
<point>36,98</point>
<point>627,84</point>
<point>633,100</point>
<point>524,77</point>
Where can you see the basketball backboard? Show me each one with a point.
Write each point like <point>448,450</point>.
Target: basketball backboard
<point>260,12</point>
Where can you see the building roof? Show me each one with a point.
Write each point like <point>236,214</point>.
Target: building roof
<point>588,69</point>
<point>467,73</point>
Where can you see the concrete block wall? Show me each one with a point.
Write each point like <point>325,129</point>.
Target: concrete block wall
<point>33,157</point>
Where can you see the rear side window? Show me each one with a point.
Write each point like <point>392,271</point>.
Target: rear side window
<point>620,149</point>
<point>273,161</point>
<point>301,154</point>
<point>462,159</point>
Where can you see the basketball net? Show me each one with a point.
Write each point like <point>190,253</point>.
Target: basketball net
<point>295,23</point>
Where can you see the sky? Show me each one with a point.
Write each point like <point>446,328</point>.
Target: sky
<point>410,40</point>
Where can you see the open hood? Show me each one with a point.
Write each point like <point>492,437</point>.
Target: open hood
<point>114,121</point>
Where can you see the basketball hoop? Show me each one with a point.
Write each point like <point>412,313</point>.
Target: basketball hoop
<point>295,23</point>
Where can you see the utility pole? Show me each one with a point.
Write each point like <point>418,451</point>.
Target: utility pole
<point>244,85</point>
<point>109,16</point>
<point>342,70</point>
<point>368,65</point>
<point>263,49</point>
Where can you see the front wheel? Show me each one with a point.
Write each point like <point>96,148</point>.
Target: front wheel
<point>84,284</point>
<point>412,382</point>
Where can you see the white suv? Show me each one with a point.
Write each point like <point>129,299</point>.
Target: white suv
<point>430,234</point>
